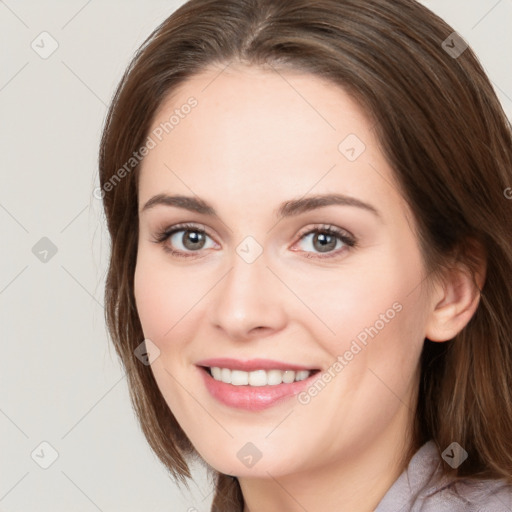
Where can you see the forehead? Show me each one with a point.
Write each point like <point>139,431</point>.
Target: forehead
<point>250,127</point>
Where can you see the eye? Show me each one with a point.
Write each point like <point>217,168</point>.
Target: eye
<point>328,240</point>
<point>183,239</point>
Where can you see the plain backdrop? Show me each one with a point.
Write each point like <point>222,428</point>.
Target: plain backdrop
<point>61,383</point>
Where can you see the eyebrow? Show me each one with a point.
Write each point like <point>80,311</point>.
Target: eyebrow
<point>286,209</point>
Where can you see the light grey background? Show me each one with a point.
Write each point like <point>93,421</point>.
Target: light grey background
<point>60,380</point>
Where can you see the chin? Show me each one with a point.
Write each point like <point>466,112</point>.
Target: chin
<point>248,460</point>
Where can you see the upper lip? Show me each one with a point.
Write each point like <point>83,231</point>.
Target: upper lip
<point>251,364</point>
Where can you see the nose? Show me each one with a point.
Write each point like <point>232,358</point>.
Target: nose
<point>248,302</point>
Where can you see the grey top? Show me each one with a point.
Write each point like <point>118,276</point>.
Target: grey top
<point>423,488</point>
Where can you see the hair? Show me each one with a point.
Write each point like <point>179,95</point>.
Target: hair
<point>445,135</point>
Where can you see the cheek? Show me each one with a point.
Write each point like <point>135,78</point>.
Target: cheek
<point>150,300</point>
<point>163,296</point>
<point>376,314</point>
<point>356,302</point>
<point>165,307</point>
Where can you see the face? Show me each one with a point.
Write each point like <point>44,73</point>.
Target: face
<point>284,294</point>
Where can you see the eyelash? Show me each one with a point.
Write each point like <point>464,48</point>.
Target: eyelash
<point>348,240</point>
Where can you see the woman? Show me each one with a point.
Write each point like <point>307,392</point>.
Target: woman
<point>308,283</point>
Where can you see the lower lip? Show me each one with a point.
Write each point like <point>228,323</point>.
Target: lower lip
<point>252,398</point>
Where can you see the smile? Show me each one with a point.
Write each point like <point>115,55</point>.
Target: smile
<point>253,385</point>
<point>258,378</point>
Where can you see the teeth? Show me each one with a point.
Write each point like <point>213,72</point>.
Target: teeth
<point>225,375</point>
<point>303,374</point>
<point>258,377</point>
<point>238,378</point>
<point>288,376</point>
<point>274,377</point>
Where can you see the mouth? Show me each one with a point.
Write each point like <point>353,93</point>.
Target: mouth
<point>257,378</point>
<point>254,385</point>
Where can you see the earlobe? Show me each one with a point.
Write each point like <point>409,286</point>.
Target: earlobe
<point>454,303</point>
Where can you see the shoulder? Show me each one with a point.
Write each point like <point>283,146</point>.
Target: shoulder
<point>422,487</point>
<point>482,495</point>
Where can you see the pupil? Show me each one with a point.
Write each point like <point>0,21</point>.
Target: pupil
<point>326,241</point>
<point>192,238</point>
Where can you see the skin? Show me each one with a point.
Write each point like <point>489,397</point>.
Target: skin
<point>256,139</point>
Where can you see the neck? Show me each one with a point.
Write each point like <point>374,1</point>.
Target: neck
<point>349,483</point>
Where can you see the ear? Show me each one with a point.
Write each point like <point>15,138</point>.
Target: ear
<point>455,297</point>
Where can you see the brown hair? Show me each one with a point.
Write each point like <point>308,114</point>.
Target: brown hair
<point>443,132</point>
